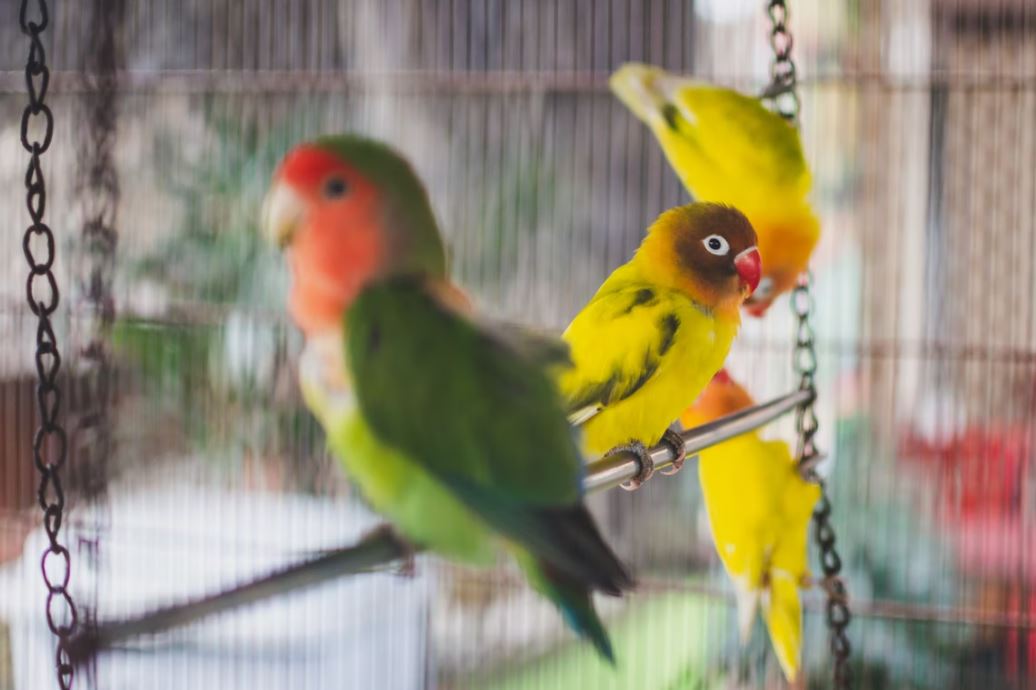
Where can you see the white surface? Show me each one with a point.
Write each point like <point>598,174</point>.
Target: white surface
<point>163,546</point>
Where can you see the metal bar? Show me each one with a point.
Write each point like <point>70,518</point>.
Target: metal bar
<point>382,547</point>
<point>614,469</point>
<point>378,549</point>
<point>492,81</point>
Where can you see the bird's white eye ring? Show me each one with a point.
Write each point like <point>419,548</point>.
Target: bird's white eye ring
<point>716,244</point>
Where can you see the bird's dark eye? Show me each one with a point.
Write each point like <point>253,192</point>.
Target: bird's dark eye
<point>334,188</point>
<point>716,244</point>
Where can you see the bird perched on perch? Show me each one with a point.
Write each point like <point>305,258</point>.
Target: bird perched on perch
<point>728,148</point>
<point>658,329</point>
<point>452,431</point>
<point>759,509</point>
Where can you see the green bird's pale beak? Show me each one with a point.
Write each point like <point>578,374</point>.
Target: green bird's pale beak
<point>282,212</point>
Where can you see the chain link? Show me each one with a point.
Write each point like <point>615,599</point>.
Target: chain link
<point>97,187</point>
<point>97,191</point>
<point>50,444</point>
<point>806,426</point>
<point>782,91</point>
<point>783,95</point>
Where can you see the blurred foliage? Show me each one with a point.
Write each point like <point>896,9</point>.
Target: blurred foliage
<point>217,254</point>
<point>214,347</point>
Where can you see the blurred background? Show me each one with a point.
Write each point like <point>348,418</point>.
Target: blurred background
<point>197,467</point>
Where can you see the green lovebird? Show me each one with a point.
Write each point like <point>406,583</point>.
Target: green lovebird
<point>452,430</point>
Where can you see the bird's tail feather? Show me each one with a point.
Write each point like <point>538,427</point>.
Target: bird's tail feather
<point>747,604</point>
<point>782,613</point>
<point>573,598</point>
<point>637,86</point>
<point>564,536</point>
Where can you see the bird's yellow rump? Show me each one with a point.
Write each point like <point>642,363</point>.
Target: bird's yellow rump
<point>759,509</point>
<point>727,147</point>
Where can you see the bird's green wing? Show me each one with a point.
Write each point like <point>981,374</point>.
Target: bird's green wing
<point>481,417</point>
<point>617,343</point>
<point>535,346</point>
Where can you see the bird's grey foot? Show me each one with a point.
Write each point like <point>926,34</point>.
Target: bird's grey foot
<point>647,465</point>
<point>408,564</point>
<point>674,441</point>
<point>407,561</point>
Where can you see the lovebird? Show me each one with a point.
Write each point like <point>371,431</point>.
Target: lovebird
<point>452,431</point>
<point>759,508</point>
<point>659,327</point>
<point>727,147</point>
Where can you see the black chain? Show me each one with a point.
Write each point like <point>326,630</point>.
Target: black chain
<point>783,95</point>
<point>782,91</point>
<point>98,190</point>
<point>806,426</point>
<point>50,444</point>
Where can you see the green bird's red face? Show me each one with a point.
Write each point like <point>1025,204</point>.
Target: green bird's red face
<point>347,211</point>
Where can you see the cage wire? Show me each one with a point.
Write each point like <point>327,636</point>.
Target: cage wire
<point>917,118</point>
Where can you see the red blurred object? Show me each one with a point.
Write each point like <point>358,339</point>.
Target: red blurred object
<point>1020,652</point>
<point>980,469</point>
<point>980,475</point>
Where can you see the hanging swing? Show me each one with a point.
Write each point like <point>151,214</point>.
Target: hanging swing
<point>382,547</point>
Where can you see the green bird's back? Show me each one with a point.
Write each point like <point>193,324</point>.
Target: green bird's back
<point>482,416</point>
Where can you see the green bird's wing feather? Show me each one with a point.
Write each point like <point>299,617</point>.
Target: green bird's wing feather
<point>541,348</point>
<point>617,343</point>
<point>548,350</point>
<point>481,417</point>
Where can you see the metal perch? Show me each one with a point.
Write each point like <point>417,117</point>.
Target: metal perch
<point>381,547</point>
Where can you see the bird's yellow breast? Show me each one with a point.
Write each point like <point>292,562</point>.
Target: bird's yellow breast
<point>699,347</point>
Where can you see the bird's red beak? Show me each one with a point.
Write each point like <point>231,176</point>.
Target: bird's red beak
<point>722,376</point>
<point>749,267</point>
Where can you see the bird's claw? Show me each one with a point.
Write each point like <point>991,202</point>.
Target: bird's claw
<point>674,441</point>
<point>407,562</point>
<point>407,566</point>
<point>647,465</point>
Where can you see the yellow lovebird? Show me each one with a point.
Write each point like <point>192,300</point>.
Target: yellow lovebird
<point>759,509</point>
<point>728,148</point>
<point>658,328</point>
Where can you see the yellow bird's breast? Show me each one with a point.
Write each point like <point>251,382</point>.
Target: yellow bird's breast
<point>699,347</point>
